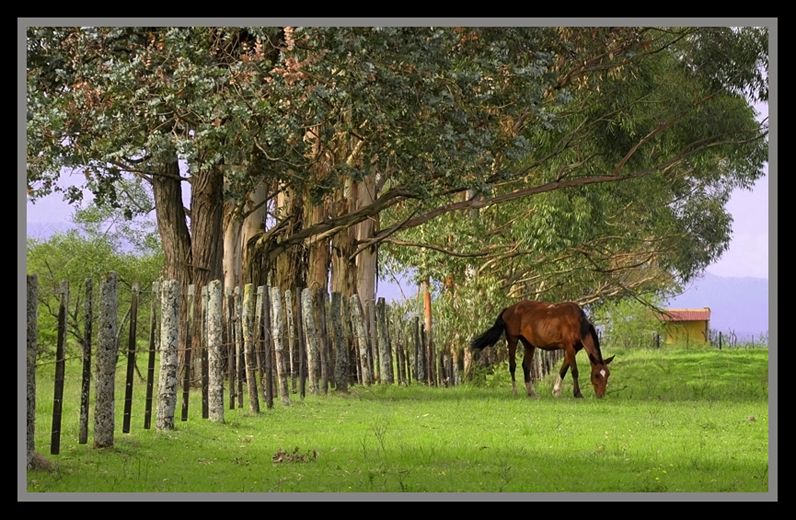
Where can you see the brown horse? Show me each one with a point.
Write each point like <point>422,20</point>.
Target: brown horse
<point>548,326</point>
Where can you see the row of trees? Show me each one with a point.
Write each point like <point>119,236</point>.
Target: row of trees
<point>495,163</point>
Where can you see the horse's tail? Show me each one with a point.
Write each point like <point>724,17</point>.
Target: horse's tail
<point>490,337</point>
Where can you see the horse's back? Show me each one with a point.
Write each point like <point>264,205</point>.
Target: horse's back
<point>543,323</point>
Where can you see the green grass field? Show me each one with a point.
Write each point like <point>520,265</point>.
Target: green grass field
<point>672,421</point>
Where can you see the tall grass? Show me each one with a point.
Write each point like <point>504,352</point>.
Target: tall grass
<point>672,420</point>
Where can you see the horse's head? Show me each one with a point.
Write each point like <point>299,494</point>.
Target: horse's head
<point>599,374</point>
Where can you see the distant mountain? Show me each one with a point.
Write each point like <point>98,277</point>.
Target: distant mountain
<point>736,304</point>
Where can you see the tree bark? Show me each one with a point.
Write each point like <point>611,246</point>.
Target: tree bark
<point>207,251</point>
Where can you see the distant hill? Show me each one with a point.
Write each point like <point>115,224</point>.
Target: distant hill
<point>736,304</point>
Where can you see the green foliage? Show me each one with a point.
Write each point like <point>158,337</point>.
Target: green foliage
<point>672,421</point>
<point>74,257</point>
<point>628,323</point>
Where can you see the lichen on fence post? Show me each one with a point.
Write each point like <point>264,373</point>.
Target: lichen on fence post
<point>169,332</point>
<point>106,364</point>
<point>310,335</point>
<point>339,345</point>
<point>361,335</point>
<point>277,328</point>
<point>85,384</point>
<point>215,383</point>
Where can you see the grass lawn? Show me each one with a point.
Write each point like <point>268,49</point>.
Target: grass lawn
<point>672,420</point>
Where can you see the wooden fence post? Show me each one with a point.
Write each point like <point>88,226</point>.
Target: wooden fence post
<point>420,358</point>
<point>32,347</point>
<point>340,347</point>
<point>277,322</point>
<point>373,341</point>
<point>186,381</point>
<point>169,334</point>
<point>268,366</point>
<point>205,366</point>
<point>85,384</point>
<point>229,348</point>
<point>323,340</point>
<point>358,323</point>
<point>302,351</point>
<point>60,366</point>
<point>385,374</point>
<point>215,381</point>
<point>128,383</point>
<point>247,322</point>
<point>106,364</point>
<point>311,337</point>
<point>239,345</point>
<point>150,373</point>
<point>292,355</point>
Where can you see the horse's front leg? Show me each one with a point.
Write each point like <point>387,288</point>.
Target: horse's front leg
<point>574,364</point>
<point>512,343</point>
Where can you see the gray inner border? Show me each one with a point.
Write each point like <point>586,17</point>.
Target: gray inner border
<point>771,495</point>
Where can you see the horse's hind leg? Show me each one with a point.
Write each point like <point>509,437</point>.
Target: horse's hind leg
<point>527,358</point>
<point>512,343</point>
<point>560,377</point>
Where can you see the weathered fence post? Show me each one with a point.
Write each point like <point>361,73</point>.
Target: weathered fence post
<point>85,384</point>
<point>302,352</point>
<point>311,337</point>
<point>60,360</point>
<point>239,345</point>
<point>186,380</point>
<point>358,323</point>
<point>106,364</point>
<point>128,383</point>
<point>719,340</point>
<point>268,366</point>
<point>150,372</point>
<point>60,366</point>
<point>348,342</point>
<point>340,348</point>
<point>32,331</point>
<point>205,366</point>
<point>323,340</point>
<point>215,382</point>
<point>292,355</point>
<point>373,340</point>
<point>399,346</point>
<point>279,349</point>
<point>385,374</point>
<point>247,322</point>
<point>420,357</point>
<point>229,350</point>
<point>169,332</point>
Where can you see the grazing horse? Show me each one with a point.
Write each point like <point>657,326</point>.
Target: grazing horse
<point>548,326</point>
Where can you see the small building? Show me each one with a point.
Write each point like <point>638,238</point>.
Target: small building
<point>686,326</point>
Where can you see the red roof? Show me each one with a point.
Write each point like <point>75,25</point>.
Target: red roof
<point>702,314</point>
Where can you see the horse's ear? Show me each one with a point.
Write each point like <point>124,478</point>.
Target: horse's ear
<point>607,361</point>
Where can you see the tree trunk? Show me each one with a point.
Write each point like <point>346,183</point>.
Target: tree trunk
<point>291,264</point>
<point>344,269</point>
<point>232,261</point>
<point>429,346</point>
<point>207,247</point>
<point>367,259</point>
<point>253,226</point>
